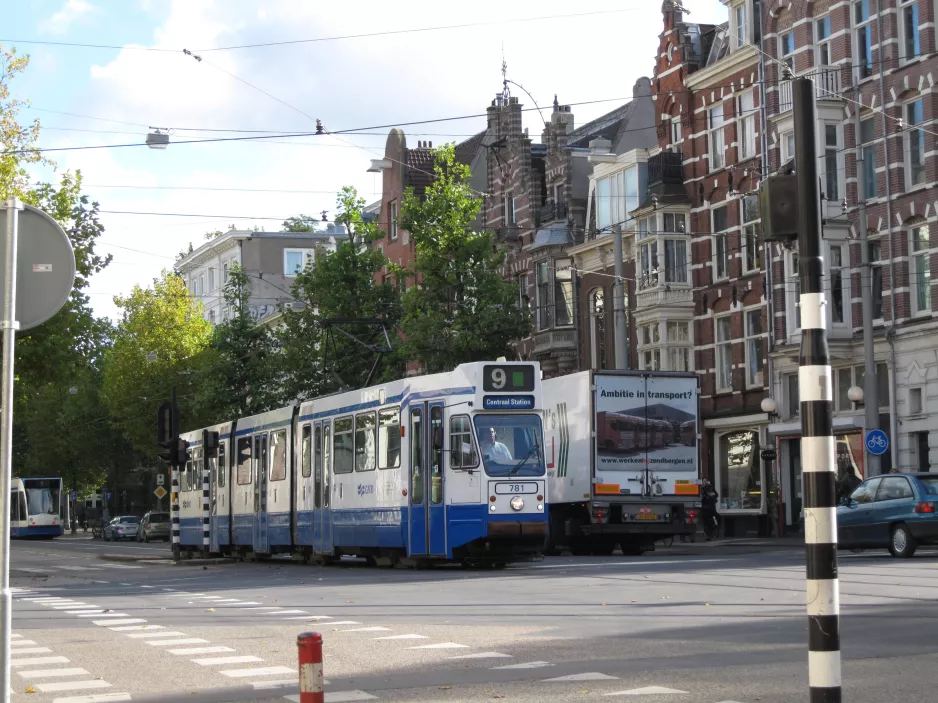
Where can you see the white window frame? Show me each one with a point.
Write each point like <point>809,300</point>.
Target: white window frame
<point>307,254</point>
<point>919,392</point>
<point>869,157</point>
<point>392,221</point>
<point>751,340</point>
<point>907,138</point>
<point>862,24</point>
<point>211,279</point>
<point>792,294</point>
<point>715,137</point>
<point>844,268</point>
<point>746,125</point>
<point>677,134</point>
<point>750,235</point>
<point>720,347</point>
<point>649,346</point>
<point>740,14</point>
<point>787,57</point>
<point>920,270</point>
<point>678,344</point>
<point>822,42</point>
<point>909,8</point>
<point>833,158</point>
<point>202,284</point>
<point>786,153</point>
<point>722,235</point>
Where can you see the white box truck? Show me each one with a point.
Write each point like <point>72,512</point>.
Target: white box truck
<point>623,465</point>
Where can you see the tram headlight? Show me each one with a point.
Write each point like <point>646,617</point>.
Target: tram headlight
<point>517,503</point>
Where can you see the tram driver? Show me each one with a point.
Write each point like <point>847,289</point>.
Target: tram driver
<point>493,449</point>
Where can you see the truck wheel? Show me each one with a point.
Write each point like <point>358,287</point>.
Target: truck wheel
<point>632,549</point>
<point>603,549</point>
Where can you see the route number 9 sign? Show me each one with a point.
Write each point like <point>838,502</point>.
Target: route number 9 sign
<point>506,378</point>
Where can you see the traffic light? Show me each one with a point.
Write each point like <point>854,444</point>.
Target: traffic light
<point>182,455</point>
<point>165,432</point>
<point>210,442</point>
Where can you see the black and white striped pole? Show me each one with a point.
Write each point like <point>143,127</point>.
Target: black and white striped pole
<point>817,441</point>
<point>174,482</point>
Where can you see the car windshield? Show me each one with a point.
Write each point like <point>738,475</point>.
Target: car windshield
<point>159,517</point>
<point>130,519</point>
<point>930,483</point>
<point>510,445</point>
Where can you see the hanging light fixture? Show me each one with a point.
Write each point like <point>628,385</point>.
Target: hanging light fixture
<point>158,138</point>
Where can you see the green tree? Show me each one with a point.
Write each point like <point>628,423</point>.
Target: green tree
<point>463,310</point>
<point>300,223</point>
<point>15,139</point>
<point>241,369</point>
<point>167,322</point>
<point>340,284</point>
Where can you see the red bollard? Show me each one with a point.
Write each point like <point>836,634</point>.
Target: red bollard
<point>309,645</point>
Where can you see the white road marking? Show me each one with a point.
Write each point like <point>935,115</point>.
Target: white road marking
<point>84,610</point>
<point>284,612</point>
<point>312,618</point>
<point>124,621</point>
<point>44,673</point>
<point>260,671</point>
<point>167,633</point>
<point>342,697</point>
<point>283,683</point>
<point>16,636</point>
<point>46,599</point>
<point>28,571</point>
<point>73,605</point>
<point>21,641</point>
<point>442,645</point>
<point>147,586</point>
<point>230,600</point>
<point>483,655</point>
<point>99,698</point>
<point>345,622</point>
<point>245,602</point>
<point>587,676</point>
<point>263,607</point>
<point>120,566</point>
<point>32,650</point>
<point>402,637</point>
<point>76,568</point>
<point>183,594</point>
<point>187,640</point>
<point>209,598</point>
<point>131,628</point>
<point>526,665</point>
<point>647,690</point>
<point>200,650</point>
<point>72,685</point>
<point>121,694</point>
<point>368,629</point>
<point>103,615</point>
<point>215,661</point>
<point>39,660</point>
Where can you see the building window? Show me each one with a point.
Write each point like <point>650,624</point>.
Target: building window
<point>721,254</point>
<point>867,134</point>
<point>650,359</point>
<point>838,281</point>
<point>597,302</point>
<point>921,445</point>
<point>676,136</point>
<point>786,49</point>
<point>563,293</point>
<point>752,247</point>
<point>910,34</point>
<point>211,280</point>
<point>616,196</point>
<point>508,209</point>
<point>724,338</point>
<point>876,278</point>
<point>716,137</point>
<point>822,41</point>
<point>542,295</point>
<point>742,33</point>
<point>920,275</point>
<point>679,346</point>
<point>523,300</point>
<point>648,262</point>
<point>392,220</point>
<point>674,222</point>
<point>739,481</point>
<point>675,260</point>
<point>915,401</point>
<point>793,290</point>
<point>831,157</point>
<point>843,378</point>
<point>791,395</point>
<point>787,142</point>
<point>746,133</point>
<point>202,290</point>
<point>914,145</point>
<point>863,37</point>
<point>295,260</point>
<point>755,361</point>
<point>224,272</point>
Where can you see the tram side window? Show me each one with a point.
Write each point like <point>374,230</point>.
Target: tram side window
<point>306,454</point>
<point>244,461</point>
<point>278,463</point>
<point>15,505</point>
<point>365,442</point>
<point>344,446</point>
<point>436,455</point>
<point>416,456</point>
<point>463,454</point>
<point>222,465</point>
<point>326,458</point>
<point>389,438</point>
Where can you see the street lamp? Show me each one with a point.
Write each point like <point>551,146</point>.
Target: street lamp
<point>158,138</point>
<point>769,407</point>
<point>855,394</point>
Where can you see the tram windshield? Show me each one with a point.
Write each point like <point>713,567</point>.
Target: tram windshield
<point>42,496</point>
<point>510,445</point>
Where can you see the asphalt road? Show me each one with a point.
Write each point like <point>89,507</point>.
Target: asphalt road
<point>702,623</point>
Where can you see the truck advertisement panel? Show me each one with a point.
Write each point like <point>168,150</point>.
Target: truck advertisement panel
<point>646,422</point>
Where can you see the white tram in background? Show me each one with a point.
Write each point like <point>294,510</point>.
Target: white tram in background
<point>38,508</point>
<point>447,466</point>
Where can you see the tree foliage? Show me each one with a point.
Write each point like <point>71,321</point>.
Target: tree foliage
<point>342,285</point>
<point>16,140</point>
<point>300,223</point>
<point>166,321</point>
<point>463,310</point>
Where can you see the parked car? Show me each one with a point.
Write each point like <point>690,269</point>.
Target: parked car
<point>123,527</point>
<point>154,525</point>
<point>893,511</point>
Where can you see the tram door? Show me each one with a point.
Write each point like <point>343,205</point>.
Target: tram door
<point>260,493</point>
<point>214,466</point>
<point>427,521</point>
<point>322,486</point>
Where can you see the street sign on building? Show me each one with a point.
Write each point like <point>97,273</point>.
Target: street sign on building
<point>160,492</point>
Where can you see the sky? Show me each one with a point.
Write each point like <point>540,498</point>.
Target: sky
<point>115,94</point>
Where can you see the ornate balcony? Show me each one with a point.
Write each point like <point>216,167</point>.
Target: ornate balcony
<point>552,212</point>
<point>554,341</point>
<point>666,167</point>
<point>663,295</point>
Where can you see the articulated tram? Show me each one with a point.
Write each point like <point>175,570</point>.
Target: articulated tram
<point>443,467</point>
<point>38,508</point>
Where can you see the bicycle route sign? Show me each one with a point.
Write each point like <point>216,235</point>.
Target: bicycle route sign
<point>877,442</point>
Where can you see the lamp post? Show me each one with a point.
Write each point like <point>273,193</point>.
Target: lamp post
<point>769,455</point>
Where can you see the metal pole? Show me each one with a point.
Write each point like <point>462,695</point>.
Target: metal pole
<point>622,334</point>
<point>817,440</point>
<point>871,387</point>
<point>9,325</point>
<point>174,483</point>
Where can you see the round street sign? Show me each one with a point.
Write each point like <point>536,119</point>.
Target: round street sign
<point>877,442</point>
<point>45,265</point>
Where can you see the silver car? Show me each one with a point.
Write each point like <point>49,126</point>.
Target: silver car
<point>123,527</point>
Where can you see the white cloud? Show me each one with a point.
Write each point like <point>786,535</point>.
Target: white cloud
<point>61,21</point>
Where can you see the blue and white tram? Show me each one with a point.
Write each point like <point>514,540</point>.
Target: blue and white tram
<point>448,466</point>
<point>37,508</point>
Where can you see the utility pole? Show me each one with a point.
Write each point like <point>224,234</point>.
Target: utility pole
<point>621,329</point>
<point>871,388</point>
<point>817,440</point>
<point>174,480</point>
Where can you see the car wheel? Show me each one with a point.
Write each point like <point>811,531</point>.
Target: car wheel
<point>902,544</point>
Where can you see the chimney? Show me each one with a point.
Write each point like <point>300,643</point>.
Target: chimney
<point>561,118</point>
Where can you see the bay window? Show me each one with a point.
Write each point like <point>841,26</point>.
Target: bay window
<point>752,246</point>
<point>668,241</point>
<point>920,275</point>
<point>716,137</point>
<point>675,260</point>
<point>553,293</point>
<point>679,346</point>
<point>616,195</point>
<point>724,353</point>
<point>650,347</point>
<point>648,252</point>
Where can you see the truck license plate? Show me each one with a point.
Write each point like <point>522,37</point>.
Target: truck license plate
<point>647,516</point>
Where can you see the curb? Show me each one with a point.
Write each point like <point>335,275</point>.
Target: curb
<point>147,559</point>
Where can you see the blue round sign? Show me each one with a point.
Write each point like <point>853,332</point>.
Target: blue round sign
<point>877,442</point>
